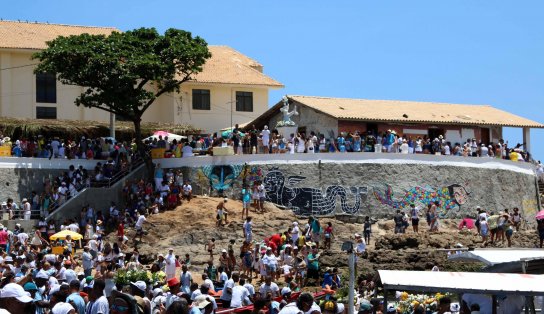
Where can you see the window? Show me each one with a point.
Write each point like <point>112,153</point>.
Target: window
<point>201,99</point>
<point>244,101</point>
<point>46,88</point>
<point>46,112</point>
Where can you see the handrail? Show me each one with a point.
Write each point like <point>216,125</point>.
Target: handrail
<point>134,167</point>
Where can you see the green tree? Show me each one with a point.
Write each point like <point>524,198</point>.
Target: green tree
<point>124,73</point>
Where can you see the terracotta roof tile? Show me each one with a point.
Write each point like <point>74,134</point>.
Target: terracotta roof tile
<point>25,35</point>
<point>414,112</point>
<point>228,66</point>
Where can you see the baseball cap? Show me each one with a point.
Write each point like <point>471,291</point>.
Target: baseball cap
<point>224,251</point>
<point>42,274</point>
<point>13,290</point>
<point>30,286</point>
<point>365,305</point>
<point>62,308</point>
<point>140,285</point>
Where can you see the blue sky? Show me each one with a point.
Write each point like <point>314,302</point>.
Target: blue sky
<point>474,52</point>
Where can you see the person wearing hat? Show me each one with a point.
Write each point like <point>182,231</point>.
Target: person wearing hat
<point>123,303</point>
<point>174,287</point>
<point>14,299</point>
<point>204,304</point>
<point>138,290</point>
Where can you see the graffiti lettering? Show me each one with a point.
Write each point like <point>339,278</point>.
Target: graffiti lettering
<point>449,197</point>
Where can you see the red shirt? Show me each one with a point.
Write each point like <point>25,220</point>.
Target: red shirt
<point>3,237</point>
<point>120,230</point>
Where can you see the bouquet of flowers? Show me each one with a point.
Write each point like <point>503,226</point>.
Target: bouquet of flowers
<point>407,303</point>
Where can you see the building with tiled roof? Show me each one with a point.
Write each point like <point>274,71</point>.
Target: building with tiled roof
<point>232,87</point>
<point>456,122</point>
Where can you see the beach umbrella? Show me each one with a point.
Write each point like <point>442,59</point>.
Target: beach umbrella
<point>160,133</point>
<point>62,235</point>
<point>540,215</point>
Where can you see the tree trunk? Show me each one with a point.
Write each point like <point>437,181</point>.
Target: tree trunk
<point>138,137</point>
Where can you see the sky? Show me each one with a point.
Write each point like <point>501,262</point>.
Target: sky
<point>453,51</point>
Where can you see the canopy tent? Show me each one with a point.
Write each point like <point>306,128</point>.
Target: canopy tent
<point>62,235</point>
<point>463,282</point>
<point>171,136</point>
<point>497,256</point>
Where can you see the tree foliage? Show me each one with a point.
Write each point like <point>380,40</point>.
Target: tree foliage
<point>124,73</point>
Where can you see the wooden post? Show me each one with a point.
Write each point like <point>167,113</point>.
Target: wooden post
<point>494,305</point>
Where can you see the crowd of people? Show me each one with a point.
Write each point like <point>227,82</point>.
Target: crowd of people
<point>267,141</point>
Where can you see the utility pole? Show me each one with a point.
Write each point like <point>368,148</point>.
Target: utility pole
<point>348,248</point>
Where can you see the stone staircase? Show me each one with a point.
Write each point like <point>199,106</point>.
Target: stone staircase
<point>99,197</point>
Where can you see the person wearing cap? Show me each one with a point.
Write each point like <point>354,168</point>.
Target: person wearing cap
<point>138,291</point>
<point>174,287</point>
<point>74,297</point>
<point>14,299</point>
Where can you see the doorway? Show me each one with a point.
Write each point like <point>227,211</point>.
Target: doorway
<point>435,133</point>
<point>484,136</point>
<point>372,127</point>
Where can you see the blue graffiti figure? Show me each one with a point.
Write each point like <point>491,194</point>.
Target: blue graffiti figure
<point>449,197</point>
<point>222,177</point>
<point>309,201</point>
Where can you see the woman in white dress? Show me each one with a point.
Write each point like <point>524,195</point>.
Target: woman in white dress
<point>301,143</point>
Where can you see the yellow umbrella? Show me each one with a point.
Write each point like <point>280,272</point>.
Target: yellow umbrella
<point>62,235</point>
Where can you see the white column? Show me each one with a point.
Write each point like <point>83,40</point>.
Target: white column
<point>527,139</point>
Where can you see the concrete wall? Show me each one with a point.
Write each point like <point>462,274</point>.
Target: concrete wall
<point>20,176</point>
<point>310,119</point>
<point>361,184</point>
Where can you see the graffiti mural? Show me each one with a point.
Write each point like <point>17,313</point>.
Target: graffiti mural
<point>251,174</point>
<point>310,201</point>
<point>221,177</point>
<point>449,197</point>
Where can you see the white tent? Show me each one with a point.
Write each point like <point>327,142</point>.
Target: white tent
<point>463,282</point>
<point>171,136</point>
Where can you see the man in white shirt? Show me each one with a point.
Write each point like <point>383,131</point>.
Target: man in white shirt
<point>266,139</point>
<point>269,288</point>
<point>295,233</point>
<point>240,295</point>
<point>170,264</point>
<point>22,236</point>
<point>26,209</point>
<point>226,297</point>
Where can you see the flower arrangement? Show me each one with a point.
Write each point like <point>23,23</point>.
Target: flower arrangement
<point>409,302</point>
<point>125,277</point>
<point>285,123</point>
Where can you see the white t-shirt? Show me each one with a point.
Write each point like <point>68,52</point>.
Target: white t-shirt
<point>22,237</point>
<point>250,288</point>
<point>286,269</point>
<point>273,289</point>
<point>187,188</point>
<point>239,295</point>
<point>140,222</point>
<point>227,296</point>
<point>414,212</point>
